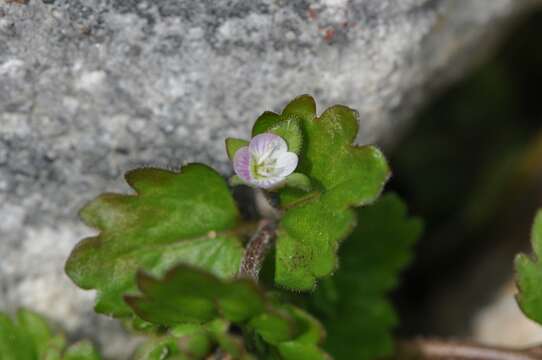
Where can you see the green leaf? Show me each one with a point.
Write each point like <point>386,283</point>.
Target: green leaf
<point>343,176</point>
<point>302,106</point>
<point>31,338</point>
<point>194,342</point>
<point>14,342</point>
<point>273,327</point>
<point>191,301</point>
<point>55,348</point>
<point>290,130</point>
<point>310,330</point>
<point>188,217</point>
<point>37,330</point>
<point>293,350</point>
<point>299,181</point>
<point>82,350</point>
<point>287,127</point>
<point>187,294</point>
<point>352,304</point>
<point>266,121</point>
<point>232,145</point>
<point>165,348</point>
<point>529,275</point>
<point>229,343</point>
<point>140,326</point>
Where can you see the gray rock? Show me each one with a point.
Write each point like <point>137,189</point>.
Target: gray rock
<point>91,88</point>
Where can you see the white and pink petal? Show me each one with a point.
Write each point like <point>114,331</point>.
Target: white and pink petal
<point>286,164</point>
<point>264,145</point>
<point>241,164</point>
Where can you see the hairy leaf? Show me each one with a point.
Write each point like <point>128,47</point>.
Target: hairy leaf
<point>352,304</point>
<point>529,275</point>
<point>29,337</point>
<point>187,217</point>
<point>189,300</point>
<point>343,176</point>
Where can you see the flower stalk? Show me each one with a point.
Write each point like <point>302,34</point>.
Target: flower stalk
<point>434,349</point>
<point>257,249</point>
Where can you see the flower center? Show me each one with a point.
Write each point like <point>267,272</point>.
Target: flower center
<point>264,168</point>
<point>265,165</point>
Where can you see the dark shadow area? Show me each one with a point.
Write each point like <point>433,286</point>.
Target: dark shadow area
<point>471,167</point>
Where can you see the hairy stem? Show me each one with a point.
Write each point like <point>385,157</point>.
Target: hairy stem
<point>432,349</point>
<point>257,249</point>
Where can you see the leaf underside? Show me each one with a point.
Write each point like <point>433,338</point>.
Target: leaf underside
<point>187,217</point>
<point>342,175</point>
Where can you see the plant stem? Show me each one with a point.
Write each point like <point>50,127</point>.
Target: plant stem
<point>432,349</point>
<point>257,249</point>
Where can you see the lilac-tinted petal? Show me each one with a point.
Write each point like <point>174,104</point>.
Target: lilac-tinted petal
<point>286,164</point>
<point>241,163</point>
<point>263,145</point>
<point>268,183</point>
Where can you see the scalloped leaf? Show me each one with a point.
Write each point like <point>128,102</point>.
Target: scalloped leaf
<point>29,337</point>
<point>186,297</point>
<point>188,217</point>
<point>343,176</point>
<point>371,259</point>
<point>529,275</point>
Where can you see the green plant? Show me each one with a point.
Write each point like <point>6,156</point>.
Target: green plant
<point>177,258</point>
<point>29,337</point>
<point>308,279</point>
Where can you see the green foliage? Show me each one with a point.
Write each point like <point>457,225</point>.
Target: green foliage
<point>186,294</point>
<point>290,130</point>
<point>29,337</point>
<point>167,256</point>
<point>265,121</point>
<point>343,176</point>
<point>286,126</point>
<point>353,304</point>
<point>188,217</point>
<point>232,145</point>
<point>194,342</point>
<point>81,351</point>
<point>195,302</point>
<point>529,275</point>
<point>299,181</point>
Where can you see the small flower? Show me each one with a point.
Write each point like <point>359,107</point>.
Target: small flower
<point>265,162</point>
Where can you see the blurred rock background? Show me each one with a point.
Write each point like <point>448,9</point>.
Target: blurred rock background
<point>89,89</point>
